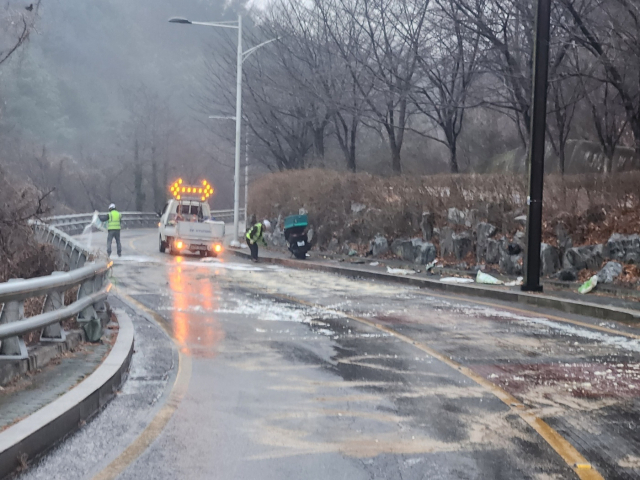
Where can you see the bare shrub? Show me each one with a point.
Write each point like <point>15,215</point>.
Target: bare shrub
<point>20,254</point>
<point>592,206</point>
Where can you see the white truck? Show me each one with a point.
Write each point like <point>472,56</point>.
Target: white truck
<point>186,225</point>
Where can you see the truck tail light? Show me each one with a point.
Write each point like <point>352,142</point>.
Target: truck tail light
<point>217,248</point>
<point>179,244</point>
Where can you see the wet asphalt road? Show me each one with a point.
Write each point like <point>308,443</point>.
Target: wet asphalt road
<point>298,374</point>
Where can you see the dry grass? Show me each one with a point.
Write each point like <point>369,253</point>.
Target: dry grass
<point>20,254</point>
<point>592,206</point>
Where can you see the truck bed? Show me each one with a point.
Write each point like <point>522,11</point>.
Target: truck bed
<point>200,231</point>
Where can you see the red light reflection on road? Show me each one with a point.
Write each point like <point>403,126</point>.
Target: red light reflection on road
<point>195,327</point>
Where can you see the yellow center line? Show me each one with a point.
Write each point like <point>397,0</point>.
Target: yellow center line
<point>557,442</point>
<point>159,422</point>
<point>133,241</point>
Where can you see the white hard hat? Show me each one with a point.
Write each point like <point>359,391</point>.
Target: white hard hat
<point>112,206</point>
<point>266,223</point>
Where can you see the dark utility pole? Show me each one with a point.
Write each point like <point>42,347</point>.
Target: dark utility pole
<point>537,147</point>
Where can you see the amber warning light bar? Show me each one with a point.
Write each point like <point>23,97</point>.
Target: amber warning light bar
<point>180,191</point>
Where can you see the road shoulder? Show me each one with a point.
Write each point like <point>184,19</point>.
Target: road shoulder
<point>37,433</point>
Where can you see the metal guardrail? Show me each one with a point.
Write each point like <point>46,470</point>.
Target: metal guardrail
<point>224,214</point>
<point>73,253</point>
<point>75,224</point>
<point>89,306</point>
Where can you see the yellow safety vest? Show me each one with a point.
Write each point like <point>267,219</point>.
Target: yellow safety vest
<point>257,235</point>
<point>114,220</point>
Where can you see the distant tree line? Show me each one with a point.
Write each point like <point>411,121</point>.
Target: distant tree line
<point>342,69</point>
<point>151,148</point>
<point>129,158</point>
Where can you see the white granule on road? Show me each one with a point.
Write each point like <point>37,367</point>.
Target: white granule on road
<point>134,259</point>
<point>619,342</point>
<point>272,311</point>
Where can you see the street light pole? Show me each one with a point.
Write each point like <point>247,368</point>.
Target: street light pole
<point>236,193</point>
<point>246,160</point>
<point>537,147</point>
<point>241,57</point>
<point>246,177</point>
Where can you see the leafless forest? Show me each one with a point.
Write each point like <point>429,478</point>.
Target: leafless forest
<point>97,103</point>
<point>439,85</point>
<point>109,102</point>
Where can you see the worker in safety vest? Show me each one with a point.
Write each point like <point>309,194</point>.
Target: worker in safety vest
<point>255,235</point>
<point>113,229</point>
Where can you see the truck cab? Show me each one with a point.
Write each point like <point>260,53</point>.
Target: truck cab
<point>186,225</point>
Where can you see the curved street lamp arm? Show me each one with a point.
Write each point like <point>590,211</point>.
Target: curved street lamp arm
<point>230,24</point>
<point>246,54</point>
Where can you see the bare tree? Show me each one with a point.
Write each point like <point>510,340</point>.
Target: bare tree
<point>563,100</point>
<point>148,133</point>
<point>450,62</point>
<point>20,254</point>
<point>566,91</point>
<point>16,25</point>
<point>300,53</point>
<point>284,122</point>
<point>507,27</point>
<point>609,120</point>
<point>351,85</point>
<point>610,32</point>
<point>383,62</point>
<point>308,54</point>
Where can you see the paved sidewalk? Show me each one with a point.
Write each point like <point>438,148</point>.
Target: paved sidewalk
<point>32,392</point>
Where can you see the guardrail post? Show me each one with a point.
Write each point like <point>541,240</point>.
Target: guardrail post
<point>75,258</point>
<point>68,250</point>
<point>101,306</point>
<point>55,332</point>
<point>82,259</point>
<point>72,264</point>
<point>14,347</point>
<point>89,317</point>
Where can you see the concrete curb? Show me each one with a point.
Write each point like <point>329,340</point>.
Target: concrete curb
<point>40,431</point>
<point>538,300</point>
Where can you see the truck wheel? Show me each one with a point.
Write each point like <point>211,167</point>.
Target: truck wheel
<point>172,250</point>
<point>163,245</point>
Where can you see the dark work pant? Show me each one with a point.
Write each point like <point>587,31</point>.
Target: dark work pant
<point>110,236</point>
<point>254,249</point>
